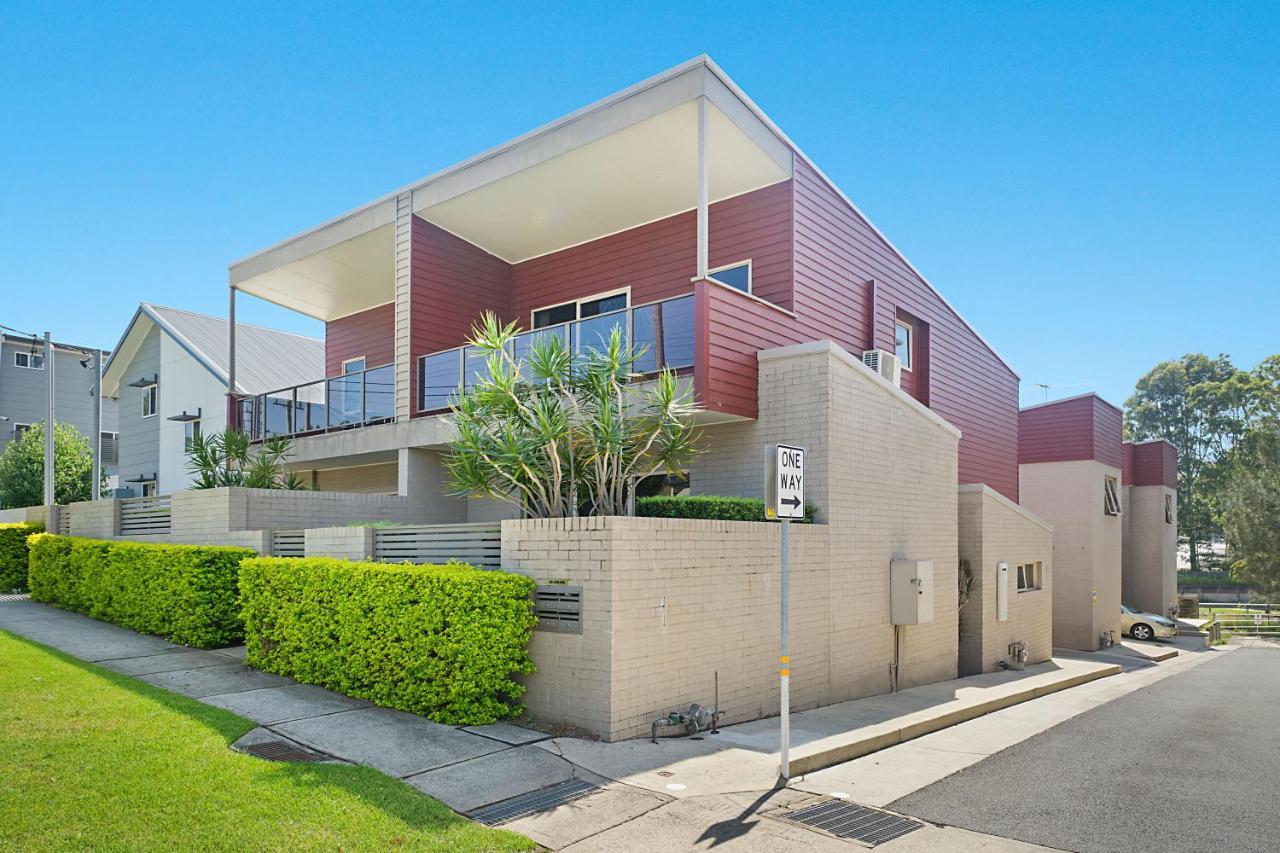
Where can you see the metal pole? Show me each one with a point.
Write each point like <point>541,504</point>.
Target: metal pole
<point>703,189</point>
<point>97,424</point>
<point>784,657</point>
<point>49,423</point>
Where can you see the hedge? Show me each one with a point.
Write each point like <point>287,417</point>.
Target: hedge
<point>186,593</point>
<point>13,554</point>
<point>439,641</point>
<point>712,507</point>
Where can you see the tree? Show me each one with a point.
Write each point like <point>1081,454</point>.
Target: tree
<point>558,433</point>
<point>228,458</point>
<point>1251,508</point>
<point>1201,406</point>
<point>22,467</point>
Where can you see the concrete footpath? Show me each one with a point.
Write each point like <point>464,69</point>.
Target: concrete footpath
<point>683,793</point>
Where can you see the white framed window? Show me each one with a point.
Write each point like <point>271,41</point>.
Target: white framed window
<point>150,396</point>
<point>1029,578</point>
<point>148,489</point>
<point>736,275</point>
<point>1110,496</point>
<point>580,309</point>
<point>353,365</point>
<point>1168,509</point>
<point>903,332</point>
<point>19,429</point>
<point>190,432</point>
<point>29,360</point>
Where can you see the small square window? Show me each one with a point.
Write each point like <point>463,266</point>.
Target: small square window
<point>1168,509</point>
<point>902,343</point>
<point>19,429</point>
<point>29,360</point>
<point>737,276</point>
<point>1110,497</point>
<point>1029,577</point>
<point>150,396</point>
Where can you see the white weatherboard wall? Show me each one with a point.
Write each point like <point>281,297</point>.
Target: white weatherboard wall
<point>185,385</point>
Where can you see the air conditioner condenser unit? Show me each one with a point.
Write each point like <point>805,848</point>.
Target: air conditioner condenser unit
<point>884,363</point>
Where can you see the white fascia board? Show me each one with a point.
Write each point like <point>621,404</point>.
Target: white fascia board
<point>123,353</point>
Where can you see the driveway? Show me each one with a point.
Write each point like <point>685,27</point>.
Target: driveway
<point>1189,763</point>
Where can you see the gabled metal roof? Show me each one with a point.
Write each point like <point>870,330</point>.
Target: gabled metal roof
<point>266,359</point>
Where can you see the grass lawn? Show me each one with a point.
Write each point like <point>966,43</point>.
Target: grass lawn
<point>91,759</point>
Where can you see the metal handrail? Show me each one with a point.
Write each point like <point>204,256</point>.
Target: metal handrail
<point>296,405</point>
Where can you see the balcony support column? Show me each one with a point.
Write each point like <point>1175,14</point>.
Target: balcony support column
<point>703,190</point>
<point>231,358</point>
<point>403,317</point>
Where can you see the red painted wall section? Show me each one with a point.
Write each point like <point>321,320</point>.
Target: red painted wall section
<point>1086,427</point>
<point>658,260</point>
<point>1151,463</point>
<point>838,256</point>
<point>371,334</point>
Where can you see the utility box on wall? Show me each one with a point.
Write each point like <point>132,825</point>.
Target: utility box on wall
<point>911,592</point>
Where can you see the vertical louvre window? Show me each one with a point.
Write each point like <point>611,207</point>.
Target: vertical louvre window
<point>1168,509</point>
<point>1110,497</point>
<point>110,448</point>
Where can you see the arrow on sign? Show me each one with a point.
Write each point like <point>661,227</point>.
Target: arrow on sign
<point>792,501</point>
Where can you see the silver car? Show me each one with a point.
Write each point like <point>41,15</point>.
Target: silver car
<point>1146,626</point>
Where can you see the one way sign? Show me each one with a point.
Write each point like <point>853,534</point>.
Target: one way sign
<point>786,483</point>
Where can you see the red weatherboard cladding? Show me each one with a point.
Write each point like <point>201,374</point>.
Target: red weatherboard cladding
<point>843,268</point>
<point>369,334</point>
<point>1151,463</point>
<point>659,259</point>
<point>1085,427</point>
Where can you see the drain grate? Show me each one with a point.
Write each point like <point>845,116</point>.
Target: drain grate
<point>278,750</point>
<point>533,802</point>
<point>849,820</point>
<point>16,596</point>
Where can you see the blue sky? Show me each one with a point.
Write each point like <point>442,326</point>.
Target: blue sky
<point>1094,186</point>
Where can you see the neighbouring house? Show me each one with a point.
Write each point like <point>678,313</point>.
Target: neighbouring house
<point>1071,473</point>
<point>24,393</point>
<point>677,212</point>
<point>169,376</point>
<point>1149,559</point>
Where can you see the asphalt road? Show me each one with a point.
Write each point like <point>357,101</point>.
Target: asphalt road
<point>1191,763</point>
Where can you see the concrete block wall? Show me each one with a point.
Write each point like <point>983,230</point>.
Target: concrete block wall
<point>95,519</point>
<point>25,515</point>
<point>202,513</point>
<point>1149,570</point>
<point>1086,550</point>
<point>993,529</point>
<point>344,543</point>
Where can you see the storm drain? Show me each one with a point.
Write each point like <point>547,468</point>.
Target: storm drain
<point>533,802</point>
<point>278,750</point>
<point>849,820</point>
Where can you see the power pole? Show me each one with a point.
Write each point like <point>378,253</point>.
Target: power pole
<point>48,423</point>
<point>97,424</point>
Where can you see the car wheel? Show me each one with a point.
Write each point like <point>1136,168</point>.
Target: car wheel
<point>1141,632</point>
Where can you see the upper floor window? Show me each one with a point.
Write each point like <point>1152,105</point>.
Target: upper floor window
<point>110,448</point>
<point>352,365</point>
<point>150,396</point>
<point>29,360</point>
<point>1110,496</point>
<point>190,434</point>
<point>902,334</point>
<point>737,276</point>
<point>1029,576</point>
<point>1168,509</point>
<point>580,309</point>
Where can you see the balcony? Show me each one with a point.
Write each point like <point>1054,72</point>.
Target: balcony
<point>664,330</point>
<point>351,400</point>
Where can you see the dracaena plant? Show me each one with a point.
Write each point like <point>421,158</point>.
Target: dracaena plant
<point>559,433</point>
<point>229,458</point>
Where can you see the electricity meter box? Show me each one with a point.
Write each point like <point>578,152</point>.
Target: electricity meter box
<point>911,592</point>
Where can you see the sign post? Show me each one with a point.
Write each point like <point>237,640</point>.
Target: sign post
<point>784,502</point>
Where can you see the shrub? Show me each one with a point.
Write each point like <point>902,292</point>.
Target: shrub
<point>186,593</point>
<point>440,641</point>
<point>712,507</point>
<point>13,554</point>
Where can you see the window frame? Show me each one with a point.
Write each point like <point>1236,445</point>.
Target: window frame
<point>190,431</point>
<point>911,341</point>
<point>114,459</point>
<point>711,274</point>
<point>1168,509</point>
<point>1029,577</point>
<point>19,429</point>
<point>364,365</point>
<point>144,486</point>
<point>577,307</point>
<point>31,356</point>
<point>150,393</point>
<point>1111,496</point>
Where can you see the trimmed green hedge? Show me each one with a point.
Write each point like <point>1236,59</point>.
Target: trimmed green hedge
<point>13,554</point>
<point>186,593</point>
<point>440,641</point>
<point>711,507</point>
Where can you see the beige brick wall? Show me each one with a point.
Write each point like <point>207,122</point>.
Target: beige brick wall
<point>670,603</point>
<point>95,519</point>
<point>344,543</point>
<point>202,513</point>
<point>993,530</point>
<point>1149,573</point>
<point>1086,549</point>
<point>377,479</point>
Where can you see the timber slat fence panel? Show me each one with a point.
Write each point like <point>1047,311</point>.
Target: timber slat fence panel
<point>479,544</point>
<point>147,516</point>
<point>288,543</point>
<point>63,515</point>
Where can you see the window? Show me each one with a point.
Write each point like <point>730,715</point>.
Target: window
<point>1110,499</point>
<point>580,309</point>
<point>110,448</point>
<point>148,489</point>
<point>1168,509</point>
<point>19,429</point>
<point>29,360</point>
<point>191,432</point>
<point>150,396</point>
<point>1029,577</point>
<point>902,342</point>
<point>737,276</point>
<point>352,365</point>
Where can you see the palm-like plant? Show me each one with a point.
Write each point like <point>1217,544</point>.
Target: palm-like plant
<point>556,433</point>
<point>228,458</point>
